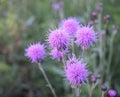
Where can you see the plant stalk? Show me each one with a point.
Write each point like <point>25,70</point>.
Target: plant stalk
<point>102,94</point>
<point>76,91</point>
<point>73,48</point>
<point>46,78</point>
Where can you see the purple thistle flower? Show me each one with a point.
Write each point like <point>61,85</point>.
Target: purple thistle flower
<point>70,26</point>
<point>85,37</point>
<point>35,52</point>
<point>111,93</point>
<point>76,73</point>
<point>58,39</point>
<point>56,54</point>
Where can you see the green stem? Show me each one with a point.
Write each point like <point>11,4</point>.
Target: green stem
<point>73,48</point>
<point>76,91</point>
<point>102,94</point>
<point>46,78</point>
<point>101,50</point>
<point>88,8</point>
<point>111,47</point>
<point>63,60</point>
<point>100,39</point>
<point>92,88</point>
<point>83,53</point>
<point>110,55</point>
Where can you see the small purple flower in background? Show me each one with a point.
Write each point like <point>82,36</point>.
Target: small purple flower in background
<point>56,54</point>
<point>99,8</point>
<point>85,37</point>
<point>102,33</point>
<point>94,15</point>
<point>35,52</point>
<point>106,18</point>
<point>76,73</point>
<point>93,78</point>
<point>111,93</point>
<point>58,39</point>
<point>57,6</point>
<point>70,26</point>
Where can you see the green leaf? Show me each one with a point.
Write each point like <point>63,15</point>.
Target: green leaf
<point>4,66</point>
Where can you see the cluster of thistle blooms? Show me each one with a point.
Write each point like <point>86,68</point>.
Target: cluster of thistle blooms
<point>60,41</point>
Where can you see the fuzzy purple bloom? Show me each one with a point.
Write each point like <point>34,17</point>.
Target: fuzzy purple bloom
<point>111,93</point>
<point>76,73</point>
<point>70,26</point>
<point>85,37</point>
<point>56,54</point>
<point>35,52</point>
<point>58,39</point>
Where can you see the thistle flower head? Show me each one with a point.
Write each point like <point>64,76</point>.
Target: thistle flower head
<point>76,73</point>
<point>111,93</point>
<point>85,37</point>
<point>35,52</point>
<point>56,54</point>
<point>58,39</point>
<point>70,26</point>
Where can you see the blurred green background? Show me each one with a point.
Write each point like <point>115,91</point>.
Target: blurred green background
<point>27,21</point>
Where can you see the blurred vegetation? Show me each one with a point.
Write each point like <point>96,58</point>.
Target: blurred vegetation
<point>26,21</point>
<point>113,9</point>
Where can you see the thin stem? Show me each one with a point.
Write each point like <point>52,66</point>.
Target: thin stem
<point>110,55</point>
<point>46,78</point>
<point>83,53</point>
<point>76,91</point>
<point>63,60</point>
<point>111,47</point>
<point>61,12</point>
<point>100,40</point>
<point>101,50</point>
<point>92,88</point>
<point>73,49</point>
<point>88,8</point>
<point>102,94</point>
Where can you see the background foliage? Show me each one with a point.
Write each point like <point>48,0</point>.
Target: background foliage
<point>26,21</point>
